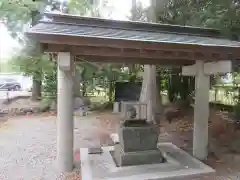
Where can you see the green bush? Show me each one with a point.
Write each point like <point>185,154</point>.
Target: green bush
<point>50,83</point>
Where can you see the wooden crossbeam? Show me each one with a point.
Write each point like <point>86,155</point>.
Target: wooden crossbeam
<point>210,68</point>
<point>130,52</point>
<point>127,60</point>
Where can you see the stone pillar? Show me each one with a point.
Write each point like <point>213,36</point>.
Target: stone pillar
<point>202,72</point>
<point>201,113</point>
<point>65,124</point>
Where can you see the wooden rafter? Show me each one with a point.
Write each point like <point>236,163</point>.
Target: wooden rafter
<point>132,42</point>
<point>140,53</point>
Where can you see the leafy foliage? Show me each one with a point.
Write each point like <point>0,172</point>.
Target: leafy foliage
<point>21,18</point>
<point>102,76</point>
<point>50,81</point>
<point>26,13</point>
<point>28,62</point>
<point>221,14</point>
<point>80,7</point>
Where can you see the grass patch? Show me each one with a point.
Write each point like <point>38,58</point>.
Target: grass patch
<point>100,103</point>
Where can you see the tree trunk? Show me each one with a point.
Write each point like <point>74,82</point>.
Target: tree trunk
<point>36,88</point>
<point>150,92</point>
<point>37,78</point>
<point>134,10</point>
<point>76,85</point>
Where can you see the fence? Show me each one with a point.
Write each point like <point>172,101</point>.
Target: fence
<point>220,95</point>
<point>223,96</point>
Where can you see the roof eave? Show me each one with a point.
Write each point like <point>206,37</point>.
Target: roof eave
<point>134,25</point>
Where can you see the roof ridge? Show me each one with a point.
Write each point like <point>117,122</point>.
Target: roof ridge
<point>133,25</point>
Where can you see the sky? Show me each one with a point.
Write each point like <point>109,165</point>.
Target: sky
<point>8,45</point>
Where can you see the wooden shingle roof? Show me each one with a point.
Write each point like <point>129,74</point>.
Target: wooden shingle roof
<point>150,43</point>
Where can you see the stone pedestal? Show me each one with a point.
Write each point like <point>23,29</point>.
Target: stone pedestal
<point>137,144</point>
<point>141,109</point>
<point>116,107</point>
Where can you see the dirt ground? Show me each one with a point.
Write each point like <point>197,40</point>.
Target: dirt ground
<point>224,143</point>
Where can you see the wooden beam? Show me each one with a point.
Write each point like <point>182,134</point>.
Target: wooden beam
<point>120,52</point>
<point>210,68</point>
<point>118,43</point>
<point>220,67</point>
<point>189,70</point>
<point>133,52</point>
<point>134,60</point>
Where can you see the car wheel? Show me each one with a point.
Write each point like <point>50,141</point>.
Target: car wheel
<point>17,88</point>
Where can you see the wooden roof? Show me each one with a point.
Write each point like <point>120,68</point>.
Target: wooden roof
<point>102,40</point>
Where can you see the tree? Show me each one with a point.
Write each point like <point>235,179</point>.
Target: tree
<point>88,74</point>
<point>25,13</point>
<point>176,12</point>
<point>108,75</point>
<point>220,14</point>
<point>101,75</point>
<point>137,14</point>
<point>49,78</point>
<point>28,12</point>
<point>84,7</point>
<point>150,92</point>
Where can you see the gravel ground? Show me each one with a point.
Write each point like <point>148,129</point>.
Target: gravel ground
<point>28,145</point>
<point>28,149</point>
<point>11,94</point>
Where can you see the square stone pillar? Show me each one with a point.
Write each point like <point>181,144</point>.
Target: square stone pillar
<point>202,72</point>
<point>65,124</point>
<point>201,112</point>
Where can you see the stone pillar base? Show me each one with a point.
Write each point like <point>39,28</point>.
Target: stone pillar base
<point>137,158</point>
<point>116,107</point>
<point>137,144</point>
